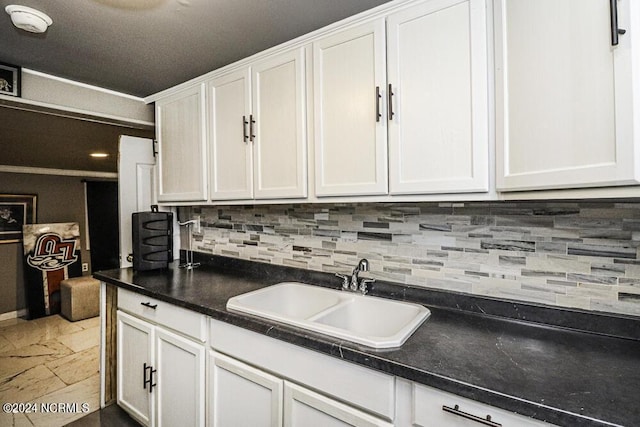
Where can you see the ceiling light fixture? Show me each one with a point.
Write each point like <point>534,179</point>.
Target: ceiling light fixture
<point>99,155</point>
<point>28,19</point>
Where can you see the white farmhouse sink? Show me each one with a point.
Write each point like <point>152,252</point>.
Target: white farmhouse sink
<point>374,322</point>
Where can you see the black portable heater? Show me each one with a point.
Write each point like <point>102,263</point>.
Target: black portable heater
<point>152,239</point>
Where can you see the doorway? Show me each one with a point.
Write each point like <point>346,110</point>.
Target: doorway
<point>102,216</point>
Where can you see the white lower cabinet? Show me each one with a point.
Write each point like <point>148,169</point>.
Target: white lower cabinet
<point>180,366</point>
<point>160,373</point>
<point>423,406</point>
<point>135,349</point>
<point>304,407</point>
<point>261,381</point>
<point>240,395</point>
<point>254,380</point>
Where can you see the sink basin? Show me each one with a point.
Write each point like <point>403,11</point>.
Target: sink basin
<point>288,300</point>
<point>370,321</point>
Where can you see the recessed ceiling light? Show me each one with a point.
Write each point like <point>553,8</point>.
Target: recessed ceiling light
<point>28,19</point>
<point>99,155</point>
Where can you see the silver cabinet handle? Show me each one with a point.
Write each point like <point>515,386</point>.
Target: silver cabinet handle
<point>485,421</point>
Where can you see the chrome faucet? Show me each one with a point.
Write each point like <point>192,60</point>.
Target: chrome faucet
<point>354,283</point>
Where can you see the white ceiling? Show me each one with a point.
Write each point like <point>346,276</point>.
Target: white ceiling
<point>141,47</point>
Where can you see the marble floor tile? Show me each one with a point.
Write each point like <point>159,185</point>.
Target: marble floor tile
<point>82,340</point>
<point>28,385</point>
<point>57,324</point>
<point>54,319</point>
<point>11,322</point>
<point>77,401</point>
<point>5,344</point>
<point>49,360</point>
<point>77,366</point>
<point>14,420</point>
<point>88,323</point>
<point>35,331</point>
<point>19,360</point>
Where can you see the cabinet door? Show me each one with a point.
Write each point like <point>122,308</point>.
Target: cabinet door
<point>564,106</point>
<point>135,349</point>
<point>438,113</point>
<point>303,407</point>
<point>180,383</point>
<point>350,137</point>
<point>241,395</point>
<point>182,145</point>
<point>279,111</point>
<point>229,136</point>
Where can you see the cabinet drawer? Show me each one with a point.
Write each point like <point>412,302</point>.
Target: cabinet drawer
<point>359,386</point>
<point>429,409</point>
<point>179,319</point>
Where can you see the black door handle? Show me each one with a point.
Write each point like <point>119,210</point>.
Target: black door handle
<point>148,304</point>
<point>390,102</point>
<point>615,31</point>
<point>245,136</point>
<point>378,96</point>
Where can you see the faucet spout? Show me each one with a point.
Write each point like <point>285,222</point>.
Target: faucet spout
<point>354,283</point>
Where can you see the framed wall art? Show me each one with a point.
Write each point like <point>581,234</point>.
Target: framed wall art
<point>51,255</point>
<point>16,210</point>
<point>10,79</point>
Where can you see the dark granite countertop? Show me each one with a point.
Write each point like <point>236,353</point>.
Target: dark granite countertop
<point>557,374</point>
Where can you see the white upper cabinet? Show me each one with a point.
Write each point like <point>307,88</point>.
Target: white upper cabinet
<point>437,98</point>
<point>230,146</point>
<point>257,130</point>
<point>279,124</point>
<point>181,131</point>
<point>350,124</point>
<point>564,98</point>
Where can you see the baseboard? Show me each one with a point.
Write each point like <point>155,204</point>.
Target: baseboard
<point>14,314</point>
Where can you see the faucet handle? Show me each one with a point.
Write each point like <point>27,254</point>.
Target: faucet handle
<point>345,280</point>
<point>363,285</point>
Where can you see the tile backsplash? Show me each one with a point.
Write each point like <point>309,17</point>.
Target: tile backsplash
<point>568,254</point>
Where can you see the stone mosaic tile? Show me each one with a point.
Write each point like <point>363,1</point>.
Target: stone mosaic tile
<point>601,250</point>
<point>570,254</point>
<point>573,301</point>
<point>614,306</point>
